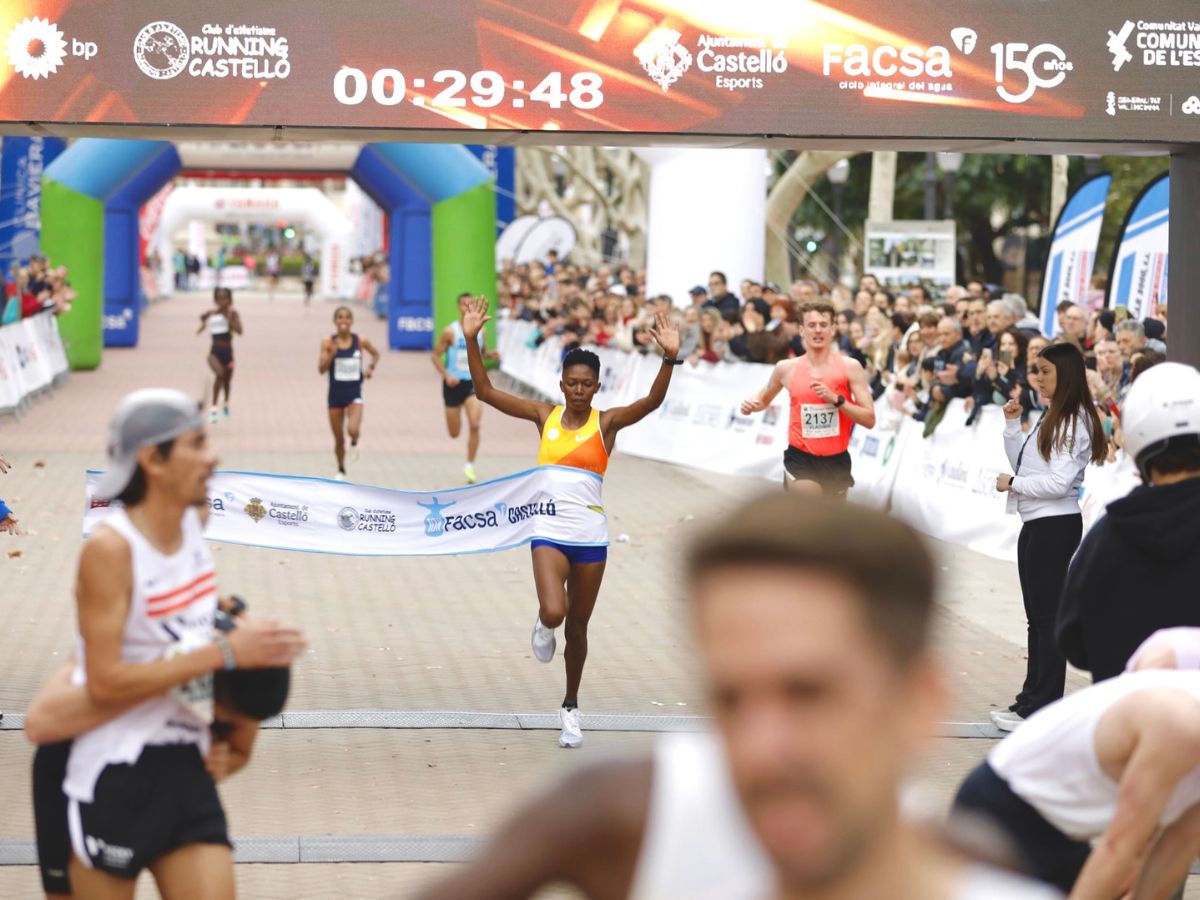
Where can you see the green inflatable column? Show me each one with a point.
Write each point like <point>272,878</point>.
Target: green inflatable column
<point>464,253</point>
<point>72,224</point>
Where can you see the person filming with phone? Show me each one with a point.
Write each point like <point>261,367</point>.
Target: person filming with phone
<point>1048,466</point>
<point>1000,373</point>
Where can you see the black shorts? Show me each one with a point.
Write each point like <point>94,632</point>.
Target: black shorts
<point>831,472</point>
<point>457,396</point>
<point>50,816</point>
<point>164,801</point>
<point>223,352</point>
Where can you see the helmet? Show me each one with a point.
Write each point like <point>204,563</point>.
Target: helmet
<point>1162,405</point>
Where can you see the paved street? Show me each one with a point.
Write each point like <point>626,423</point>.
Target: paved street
<point>405,634</point>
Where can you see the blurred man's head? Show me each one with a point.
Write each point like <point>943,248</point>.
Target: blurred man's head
<point>976,288</point>
<point>816,319</point>
<point>1074,323</point>
<point>976,315</point>
<point>813,618</point>
<point>1131,337</point>
<point>1108,357</point>
<point>717,286</point>
<point>802,291</point>
<point>929,328</point>
<point>949,332</point>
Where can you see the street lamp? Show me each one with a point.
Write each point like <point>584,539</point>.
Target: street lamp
<point>950,164</point>
<point>838,175</point>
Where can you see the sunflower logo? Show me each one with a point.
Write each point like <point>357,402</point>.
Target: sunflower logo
<point>36,48</point>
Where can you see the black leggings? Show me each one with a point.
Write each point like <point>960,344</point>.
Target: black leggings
<point>1044,551</point>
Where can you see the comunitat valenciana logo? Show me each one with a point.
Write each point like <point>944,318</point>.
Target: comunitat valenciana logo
<point>36,48</point>
<point>163,50</point>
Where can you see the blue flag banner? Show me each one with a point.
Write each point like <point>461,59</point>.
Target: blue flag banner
<point>1139,279</point>
<point>22,160</point>
<point>1073,249</point>
<point>291,512</point>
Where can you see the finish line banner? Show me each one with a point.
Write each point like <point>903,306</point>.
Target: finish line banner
<point>1068,70</point>
<point>290,512</point>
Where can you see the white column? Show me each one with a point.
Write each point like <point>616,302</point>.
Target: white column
<point>708,211</point>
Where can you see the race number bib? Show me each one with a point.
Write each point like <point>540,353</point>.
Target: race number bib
<point>347,368</point>
<point>818,420</point>
<point>197,693</point>
<point>460,361</point>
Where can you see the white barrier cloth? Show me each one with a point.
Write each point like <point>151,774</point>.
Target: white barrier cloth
<point>288,512</point>
<point>31,357</point>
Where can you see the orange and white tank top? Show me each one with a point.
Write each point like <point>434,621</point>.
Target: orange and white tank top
<point>580,449</point>
<point>171,610</point>
<point>817,427</point>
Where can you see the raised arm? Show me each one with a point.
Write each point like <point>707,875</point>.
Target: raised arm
<point>775,383</point>
<point>325,360</point>
<point>666,335</point>
<point>472,321</point>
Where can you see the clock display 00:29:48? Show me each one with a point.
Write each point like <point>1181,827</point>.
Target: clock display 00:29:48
<point>487,89</point>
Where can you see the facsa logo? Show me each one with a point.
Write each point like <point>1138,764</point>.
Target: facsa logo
<point>663,57</point>
<point>886,61</point>
<point>964,39</point>
<point>1116,45</point>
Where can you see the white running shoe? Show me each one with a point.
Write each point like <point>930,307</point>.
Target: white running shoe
<point>572,734</point>
<point>469,473</point>
<point>542,641</point>
<point>212,416</point>
<point>354,453</point>
<point>1006,720</point>
<point>340,476</point>
<point>225,412</point>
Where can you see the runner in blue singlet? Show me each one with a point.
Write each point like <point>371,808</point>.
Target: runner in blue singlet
<point>450,359</point>
<point>341,357</point>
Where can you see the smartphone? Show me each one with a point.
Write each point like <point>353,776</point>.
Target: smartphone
<point>1090,362</point>
<point>1006,357</point>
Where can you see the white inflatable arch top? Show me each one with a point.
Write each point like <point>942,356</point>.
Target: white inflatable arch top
<point>305,206</point>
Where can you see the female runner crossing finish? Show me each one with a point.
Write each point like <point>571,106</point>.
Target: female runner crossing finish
<point>567,576</point>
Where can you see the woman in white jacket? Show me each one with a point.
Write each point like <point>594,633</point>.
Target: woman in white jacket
<point>1048,465</point>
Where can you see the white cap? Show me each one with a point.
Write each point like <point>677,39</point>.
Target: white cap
<point>1163,403</point>
<point>146,417</point>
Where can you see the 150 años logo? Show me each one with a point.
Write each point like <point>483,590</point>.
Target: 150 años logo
<point>1043,66</point>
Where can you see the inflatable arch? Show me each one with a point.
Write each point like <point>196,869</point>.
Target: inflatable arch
<point>308,206</point>
<point>439,198</point>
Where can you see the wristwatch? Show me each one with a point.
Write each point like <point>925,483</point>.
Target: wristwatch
<point>672,361</point>
<point>840,401</point>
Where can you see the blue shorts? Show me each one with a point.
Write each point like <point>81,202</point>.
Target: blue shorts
<point>575,553</point>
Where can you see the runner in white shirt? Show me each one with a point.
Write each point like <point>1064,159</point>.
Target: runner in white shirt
<point>139,794</point>
<point>812,618</point>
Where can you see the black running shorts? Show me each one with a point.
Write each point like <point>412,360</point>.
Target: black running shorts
<point>164,801</point>
<point>457,396</point>
<point>831,472</point>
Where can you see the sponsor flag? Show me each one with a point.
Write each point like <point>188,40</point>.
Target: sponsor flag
<point>291,512</point>
<point>1139,272</point>
<point>22,160</point>
<point>1073,249</point>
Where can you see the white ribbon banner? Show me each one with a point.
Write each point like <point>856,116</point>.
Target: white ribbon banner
<point>288,512</point>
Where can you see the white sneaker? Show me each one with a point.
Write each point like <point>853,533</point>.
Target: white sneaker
<point>354,453</point>
<point>469,473</point>
<point>542,641</point>
<point>572,734</point>
<point>1006,720</point>
<point>212,416</point>
<point>340,476</point>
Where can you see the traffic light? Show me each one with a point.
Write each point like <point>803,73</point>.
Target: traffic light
<point>811,245</point>
<point>289,232</point>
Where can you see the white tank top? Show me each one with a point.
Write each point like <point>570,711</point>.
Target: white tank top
<point>171,610</point>
<point>698,843</point>
<point>218,324</point>
<point>1050,761</point>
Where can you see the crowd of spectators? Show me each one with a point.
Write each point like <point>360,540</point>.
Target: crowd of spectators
<point>919,351</point>
<point>34,288</point>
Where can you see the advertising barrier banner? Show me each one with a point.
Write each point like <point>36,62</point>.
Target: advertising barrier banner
<point>22,160</point>
<point>1077,70</point>
<point>1073,250</point>
<point>1139,277</point>
<point>31,357</point>
<point>287,512</point>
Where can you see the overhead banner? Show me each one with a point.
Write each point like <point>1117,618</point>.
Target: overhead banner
<point>904,254</point>
<point>22,160</point>
<point>1071,69</point>
<point>1073,250</point>
<point>288,512</point>
<point>1139,270</point>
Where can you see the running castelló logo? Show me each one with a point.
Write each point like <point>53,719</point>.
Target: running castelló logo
<point>255,509</point>
<point>36,48</point>
<point>663,57</point>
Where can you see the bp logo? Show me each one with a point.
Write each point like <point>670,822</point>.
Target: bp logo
<point>36,48</point>
<point>347,518</point>
<point>161,50</point>
<point>663,57</point>
<point>255,509</point>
